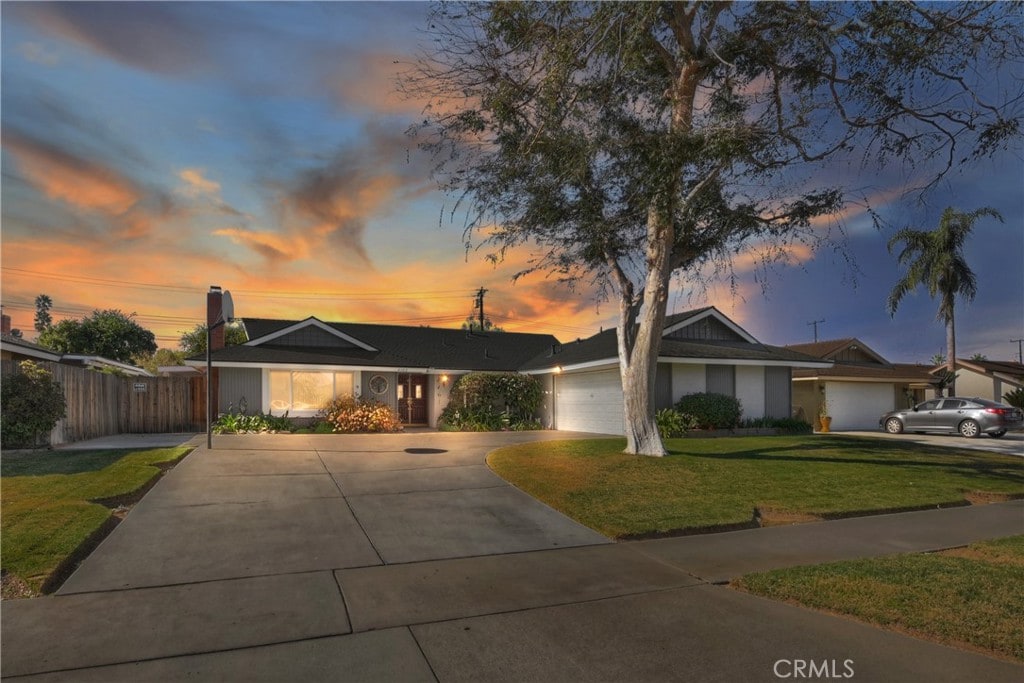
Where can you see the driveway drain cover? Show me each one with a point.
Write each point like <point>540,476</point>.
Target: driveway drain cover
<point>424,451</point>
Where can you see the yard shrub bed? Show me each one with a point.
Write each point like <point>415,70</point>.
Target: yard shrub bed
<point>967,597</point>
<point>714,483</point>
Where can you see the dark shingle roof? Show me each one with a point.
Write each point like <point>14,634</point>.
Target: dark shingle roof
<point>18,345</point>
<point>604,346</point>
<point>822,349</point>
<point>396,346</point>
<point>1003,367</point>
<point>897,372</point>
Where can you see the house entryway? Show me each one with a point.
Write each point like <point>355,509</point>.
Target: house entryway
<point>412,399</point>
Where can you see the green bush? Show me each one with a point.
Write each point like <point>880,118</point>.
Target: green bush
<point>711,411</point>
<point>241,423</point>
<point>785,425</point>
<point>672,424</point>
<point>1015,398</point>
<point>350,415</point>
<point>31,403</point>
<point>492,401</point>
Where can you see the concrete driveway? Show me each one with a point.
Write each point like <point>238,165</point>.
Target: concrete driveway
<point>403,558</point>
<point>274,504</point>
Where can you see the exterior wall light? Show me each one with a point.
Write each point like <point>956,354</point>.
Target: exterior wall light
<point>444,380</point>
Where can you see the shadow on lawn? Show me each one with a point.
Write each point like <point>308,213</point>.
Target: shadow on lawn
<point>41,463</point>
<point>966,463</point>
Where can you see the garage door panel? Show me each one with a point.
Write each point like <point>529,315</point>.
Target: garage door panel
<point>589,402</point>
<point>858,405</point>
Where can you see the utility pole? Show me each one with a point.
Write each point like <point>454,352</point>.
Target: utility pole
<point>1020,355</point>
<point>815,323</point>
<point>480,305</point>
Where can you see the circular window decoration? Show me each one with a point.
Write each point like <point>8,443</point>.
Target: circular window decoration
<point>378,384</point>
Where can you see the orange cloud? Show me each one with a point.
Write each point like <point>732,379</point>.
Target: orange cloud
<point>196,184</point>
<point>74,181</point>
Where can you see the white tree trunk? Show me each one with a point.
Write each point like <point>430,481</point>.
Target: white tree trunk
<point>638,355</point>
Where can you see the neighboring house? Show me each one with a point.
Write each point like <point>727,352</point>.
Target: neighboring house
<point>13,348</point>
<point>103,365</point>
<point>296,366</point>
<point>701,351</point>
<point>859,387</point>
<point>986,378</point>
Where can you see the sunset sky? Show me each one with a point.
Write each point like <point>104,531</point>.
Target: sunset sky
<point>151,150</point>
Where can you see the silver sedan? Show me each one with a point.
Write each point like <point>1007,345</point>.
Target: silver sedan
<point>970,417</point>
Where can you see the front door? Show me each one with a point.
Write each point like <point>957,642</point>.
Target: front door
<point>412,399</point>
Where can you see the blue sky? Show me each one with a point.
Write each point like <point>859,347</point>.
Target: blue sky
<point>150,150</point>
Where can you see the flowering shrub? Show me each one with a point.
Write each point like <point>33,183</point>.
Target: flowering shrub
<point>350,415</point>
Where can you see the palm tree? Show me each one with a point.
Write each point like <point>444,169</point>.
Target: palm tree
<point>935,259</point>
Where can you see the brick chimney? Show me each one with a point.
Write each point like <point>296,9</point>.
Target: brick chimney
<point>5,324</point>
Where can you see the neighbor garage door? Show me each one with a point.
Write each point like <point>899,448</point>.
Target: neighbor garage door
<point>858,406</point>
<point>589,402</point>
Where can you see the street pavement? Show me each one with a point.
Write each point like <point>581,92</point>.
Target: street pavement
<point>404,558</point>
<point>1011,443</point>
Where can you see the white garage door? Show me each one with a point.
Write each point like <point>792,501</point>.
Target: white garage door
<point>858,406</point>
<point>589,402</point>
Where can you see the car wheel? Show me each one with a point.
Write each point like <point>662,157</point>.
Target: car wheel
<point>996,435</point>
<point>894,426</point>
<point>970,429</point>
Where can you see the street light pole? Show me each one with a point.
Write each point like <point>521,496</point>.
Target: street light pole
<point>225,315</point>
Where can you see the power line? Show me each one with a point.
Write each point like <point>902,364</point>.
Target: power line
<point>255,293</point>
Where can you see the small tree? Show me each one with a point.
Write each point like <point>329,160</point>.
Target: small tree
<point>472,324</point>
<point>108,333</point>
<point>193,342</point>
<point>43,319</point>
<point>31,403</point>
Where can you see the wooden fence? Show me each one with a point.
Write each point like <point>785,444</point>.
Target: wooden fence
<point>99,404</point>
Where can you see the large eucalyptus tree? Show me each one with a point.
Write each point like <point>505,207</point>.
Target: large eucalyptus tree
<point>627,142</point>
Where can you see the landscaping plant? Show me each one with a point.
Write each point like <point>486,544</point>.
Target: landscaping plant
<point>711,411</point>
<point>241,423</point>
<point>672,424</point>
<point>351,415</point>
<point>492,401</point>
<point>1015,398</point>
<point>31,403</point>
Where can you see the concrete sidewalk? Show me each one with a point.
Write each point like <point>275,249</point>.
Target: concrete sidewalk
<point>402,557</point>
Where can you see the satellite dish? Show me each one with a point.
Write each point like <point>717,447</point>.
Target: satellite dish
<point>227,307</point>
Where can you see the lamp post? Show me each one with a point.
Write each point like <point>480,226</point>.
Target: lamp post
<point>224,316</point>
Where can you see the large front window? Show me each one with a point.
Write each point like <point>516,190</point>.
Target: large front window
<point>300,391</point>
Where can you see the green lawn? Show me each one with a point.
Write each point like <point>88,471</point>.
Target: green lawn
<point>45,502</point>
<point>969,597</point>
<point>706,483</point>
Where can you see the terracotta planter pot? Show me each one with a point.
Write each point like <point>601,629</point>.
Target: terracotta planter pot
<point>826,423</point>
